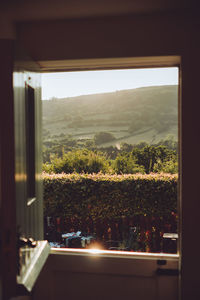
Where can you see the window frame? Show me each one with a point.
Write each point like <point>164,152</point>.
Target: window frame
<point>124,63</point>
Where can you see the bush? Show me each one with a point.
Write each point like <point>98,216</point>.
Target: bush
<point>149,156</point>
<point>80,161</point>
<point>169,166</point>
<point>103,137</point>
<point>99,196</point>
<point>125,164</point>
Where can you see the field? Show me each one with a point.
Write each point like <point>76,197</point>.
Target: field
<point>147,114</point>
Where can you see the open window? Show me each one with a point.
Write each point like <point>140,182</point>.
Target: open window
<point>71,261</point>
<point>102,138</point>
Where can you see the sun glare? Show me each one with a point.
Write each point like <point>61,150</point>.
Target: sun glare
<point>94,251</point>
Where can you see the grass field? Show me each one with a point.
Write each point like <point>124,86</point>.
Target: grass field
<point>144,114</point>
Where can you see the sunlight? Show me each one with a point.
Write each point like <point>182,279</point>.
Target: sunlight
<point>94,251</point>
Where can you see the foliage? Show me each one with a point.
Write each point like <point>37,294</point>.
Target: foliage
<point>103,137</point>
<point>48,168</point>
<point>149,155</point>
<point>125,164</point>
<point>81,161</point>
<point>168,142</point>
<point>112,160</point>
<point>170,166</point>
<point>100,196</point>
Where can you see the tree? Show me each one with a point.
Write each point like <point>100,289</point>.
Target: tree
<point>103,137</point>
<point>80,161</point>
<point>125,164</point>
<point>89,144</point>
<point>126,147</point>
<point>149,155</point>
<point>170,166</point>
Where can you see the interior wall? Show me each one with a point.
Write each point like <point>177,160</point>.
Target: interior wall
<point>7,180</point>
<point>89,276</point>
<point>127,36</point>
<point>190,175</point>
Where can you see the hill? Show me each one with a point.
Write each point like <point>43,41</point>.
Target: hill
<point>143,114</point>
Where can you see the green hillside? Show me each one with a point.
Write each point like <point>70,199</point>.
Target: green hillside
<point>143,114</point>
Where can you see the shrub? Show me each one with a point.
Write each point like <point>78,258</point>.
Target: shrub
<point>125,164</point>
<point>169,166</point>
<point>100,196</point>
<point>80,161</point>
<point>103,137</point>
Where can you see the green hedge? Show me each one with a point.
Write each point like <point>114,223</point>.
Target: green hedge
<point>100,196</point>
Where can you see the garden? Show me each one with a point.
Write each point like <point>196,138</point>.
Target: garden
<point>128,212</point>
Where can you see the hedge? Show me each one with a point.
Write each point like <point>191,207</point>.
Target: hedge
<point>109,196</point>
<point>113,208</point>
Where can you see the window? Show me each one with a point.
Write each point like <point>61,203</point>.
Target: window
<point>101,128</point>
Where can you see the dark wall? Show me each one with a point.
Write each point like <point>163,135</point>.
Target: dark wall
<point>127,36</point>
<point>108,37</point>
<point>7,183</point>
<point>134,36</point>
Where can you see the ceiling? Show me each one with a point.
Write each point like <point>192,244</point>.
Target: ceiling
<point>27,10</point>
<point>45,27</point>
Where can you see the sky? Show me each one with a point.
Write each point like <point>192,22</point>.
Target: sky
<point>71,84</point>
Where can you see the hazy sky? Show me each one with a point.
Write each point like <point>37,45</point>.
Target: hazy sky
<point>69,84</point>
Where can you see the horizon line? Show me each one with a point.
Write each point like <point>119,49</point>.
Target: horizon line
<point>53,98</point>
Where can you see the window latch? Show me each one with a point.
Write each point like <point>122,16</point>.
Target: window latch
<point>23,243</point>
